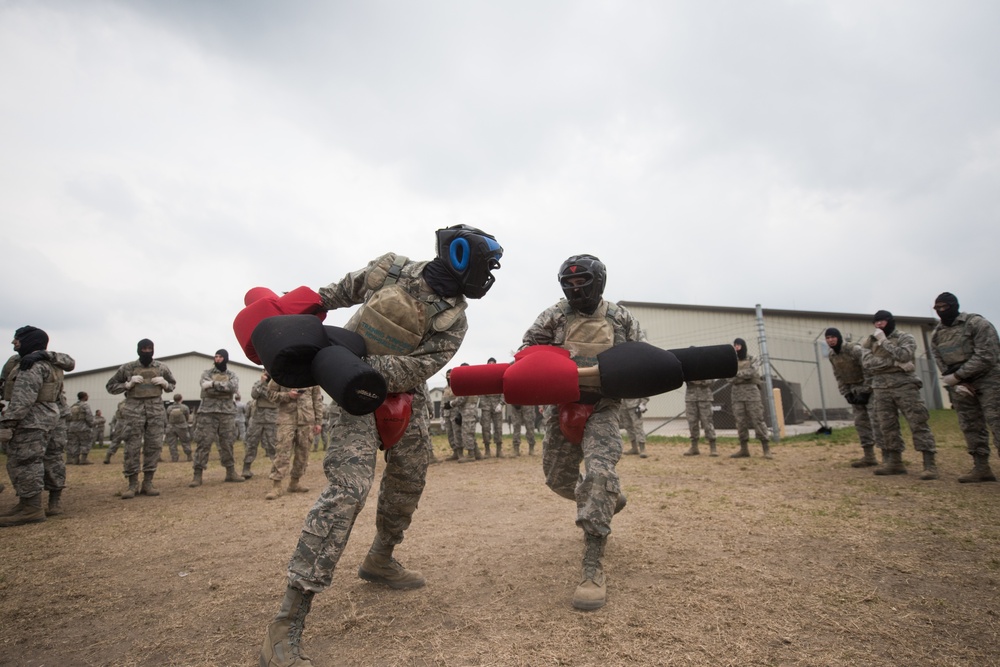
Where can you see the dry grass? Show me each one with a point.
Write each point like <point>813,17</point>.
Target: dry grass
<point>797,561</point>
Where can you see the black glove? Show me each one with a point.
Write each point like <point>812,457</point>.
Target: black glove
<point>447,405</point>
<point>458,419</point>
<point>28,360</point>
<point>862,399</point>
<point>850,398</point>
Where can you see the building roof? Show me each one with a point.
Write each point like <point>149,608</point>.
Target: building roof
<point>925,321</point>
<point>210,357</point>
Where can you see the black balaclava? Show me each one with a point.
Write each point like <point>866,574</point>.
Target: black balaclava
<point>441,280</point>
<point>890,321</point>
<point>947,316</point>
<point>833,331</point>
<point>225,359</point>
<point>741,354</point>
<point>145,358</point>
<point>31,339</point>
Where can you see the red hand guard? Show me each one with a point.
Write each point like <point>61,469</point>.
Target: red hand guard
<point>541,375</point>
<point>262,303</point>
<point>478,380</point>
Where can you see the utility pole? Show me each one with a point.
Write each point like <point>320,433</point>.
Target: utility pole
<point>766,362</point>
<point>819,376</point>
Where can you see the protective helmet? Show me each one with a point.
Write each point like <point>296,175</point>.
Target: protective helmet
<point>470,255</point>
<point>585,297</point>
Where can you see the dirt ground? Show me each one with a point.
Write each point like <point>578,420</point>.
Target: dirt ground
<point>801,560</point>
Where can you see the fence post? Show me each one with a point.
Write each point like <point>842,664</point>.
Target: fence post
<point>766,362</point>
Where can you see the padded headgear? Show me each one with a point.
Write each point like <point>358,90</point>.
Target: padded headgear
<point>471,255</point>
<point>586,297</point>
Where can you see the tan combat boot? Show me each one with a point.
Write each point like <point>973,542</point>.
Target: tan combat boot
<point>634,451</point>
<point>743,453</point>
<point>147,485</point>
<point>930,467</point>
<point>55,503</point>
<point>283,642</point>
<point>642,450</point>
<point>981,471</point>
<point>275,491</point>
<point>867,460</point>
<point>892,464</point>
<point>27,510</point>
<point>766,447</point>
<point>295,487</point>
<point>247,473</point>
<point>196,481</point>
<point>712,449</point>
<point>84,461</point>
<point>693,451</point>
<point>381,568</point>
<point>592,591</point>
<point>133,487</point>
<point>231,475</point>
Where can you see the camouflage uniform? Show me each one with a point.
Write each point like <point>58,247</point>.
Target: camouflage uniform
<point>99,423</point>
<point>178,430</point>
<point>855,385</point>
<point>263,430</point>
<point>354,441</point>
<point>969,350</point>
<point>522,415</point>
<point>119,431</point>
<point>598,490</point>
<point>216,421</point>
<point>631,421</point>
<point>241,420</point>
<point>451,429</point>
<point>698,401</point>
<point>897,390</point>
<point>143,413</point>
<point>468,417</point>
<point>32,412</point>
<point>79,432</point>
<point>491,421</point>
<point>298,415</point>
<point>747,406</point>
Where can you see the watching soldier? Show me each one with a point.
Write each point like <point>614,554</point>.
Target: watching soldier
<point>631,420</point>
<point>698,410</point>
<point>119,432</point>
<point>967,352</point>
<point>263,428</point>
<point>523,415</point>
<point>99,423</point>
<point>891,363</point>
<point>143,382</point>
<point>216,421</point>
<point>856,388</point>
<point>300,418</point>
<point>747,406</point>
<point>79,431</point>
<point>178,430</point>
<point>448,420</point>
<point>491,419</point>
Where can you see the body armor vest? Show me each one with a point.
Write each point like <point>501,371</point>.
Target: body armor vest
<point>952,344</point>
<point>175,414</point>
<point>212,392</point>
<point>146,389</point>
<point>264,402</point>
<point>49,391</point>
<point>587,336</point>
<point>846,369</point>
<point>76,413</point>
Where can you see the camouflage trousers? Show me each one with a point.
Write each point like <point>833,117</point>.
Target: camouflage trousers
<point>905,399</point>
<point>979,415</point>
<point>25,464</point>
<point>633,426</point>
<point>518,419</point>
<point>178,433</point>
<point>54,459</point>
<point>468,429</point>
<point>747,414</point>
<point>867,428</point>
<point>596,490</point>
<point>143,443</point>
<point>451,430</point>
<point>292,451</point>
<point>350,471</point>
<point>215,427</point>
<point>494,420</point>
<point>260,434</point>
<point>79,442</point>
<point>699,416</point>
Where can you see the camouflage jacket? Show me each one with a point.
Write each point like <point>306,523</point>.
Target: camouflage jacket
<point>848,367</point>
<point>970,343</point>
<point>697,391</point>
<point>884,359</point>
<point>404,372</point>
<point>25,410</point>
<point>116,385</point>
<point>218,399</point>
<point>306,409</point>
<point>747,381</point>
<point>81,417</point>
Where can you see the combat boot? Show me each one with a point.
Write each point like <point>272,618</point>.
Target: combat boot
<point>107,458</point>
<point>295,487</point>
<point>188,455</point>
<point>621,502</point>
<point>867,460</point>
<point>27,510</point>
<point>456,454</point>
<point>531,449</point>
<point>592,591</point>
<point>981,471</point>
<point>892,464</point>
<point>499,452</point>
<point>196,481</point>
<point>712,449</point>
<point>517,449</point>
<point>55,503</point>
<point>930,467</point>
<point>468,458</point>
<point>476,453</point>
<point>174,457</point>
<point>693,451</point>
<point>275,492</point>
<point>247,473</point>
<point>743,453</point>
<point>381,568</point>
<point>231,475</point>
<point>486,448</point>
<point>642,451</point>
<point>766,446</point>
<point>147,485</point>
<point>283,642</point>
<point>84,461</point>
<point>133,487</point>
<point>634,451</point>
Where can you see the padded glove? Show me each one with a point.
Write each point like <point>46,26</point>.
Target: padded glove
<point>964,389</point>
<point>28,360</point>
<point>134,380</point>
<point>162,382</point>
<point>879,335</point>
<point>207,384</point>
<point>950,379</point>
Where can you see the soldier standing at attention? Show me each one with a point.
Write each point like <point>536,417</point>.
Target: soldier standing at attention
<point>856,387</point>
<point>747,406</point>
<point>99,423</point>
<point>178,430</point>
<point>491,419</point>
<point>300,418</point>
<point>216,421</point>
<point>523,415</point>
<point>698,410</point>
<point>143,382</point>
<point>263,428</point>
<point>423,303</point>
<point>448,421</point>
<point>891,363</point>
<point>631,420</point>
<point>967,352</point>
<point>79,431</point>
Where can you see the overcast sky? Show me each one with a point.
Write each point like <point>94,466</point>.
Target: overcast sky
<point>158,159</point>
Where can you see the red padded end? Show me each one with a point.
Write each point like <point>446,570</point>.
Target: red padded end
<point>302,301</point>
<point>541,378</point>
<point>248,319</point>
<point>478,380</point>
<point>256,294</point>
